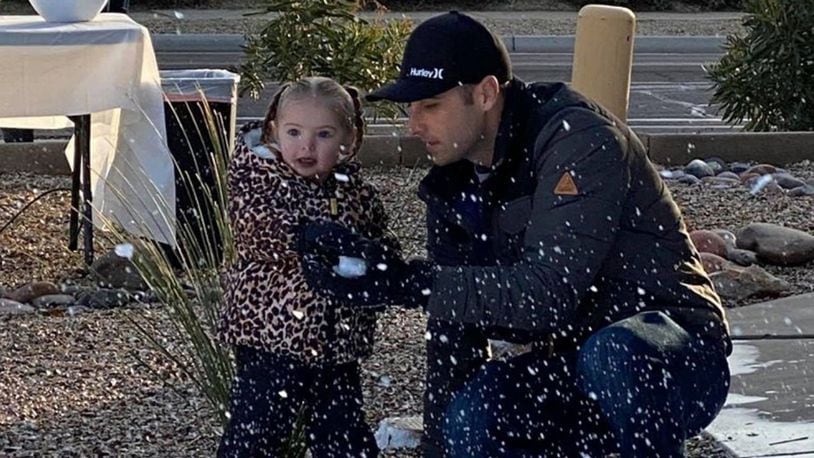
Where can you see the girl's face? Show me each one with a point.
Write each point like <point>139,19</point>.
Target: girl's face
<point>310,137</point>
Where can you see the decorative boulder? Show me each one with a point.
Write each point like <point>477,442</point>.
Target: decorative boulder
<point>699,169</point>
<point>740,283</point>
<point>776,244</point>
<point>713,263</point>
<point>114,271</point>
<point>708,242</point>
<point>741,257</point>
<point>762,169</point>
<point>32,291</point>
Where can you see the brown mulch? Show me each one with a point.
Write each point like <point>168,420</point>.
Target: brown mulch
<point>79,386</point>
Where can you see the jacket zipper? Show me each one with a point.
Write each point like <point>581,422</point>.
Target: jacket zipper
<point>330,311</point>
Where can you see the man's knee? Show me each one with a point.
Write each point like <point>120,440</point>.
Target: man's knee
<point>473,411</point>
<point>466,425</point>
<point>628,344</point>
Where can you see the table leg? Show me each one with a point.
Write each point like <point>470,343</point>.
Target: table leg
<point>73,231</point>
<point>82,166</point>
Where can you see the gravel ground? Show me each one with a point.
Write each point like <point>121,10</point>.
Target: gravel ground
<point>78,386</point>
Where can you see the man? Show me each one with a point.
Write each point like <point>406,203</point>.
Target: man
<point>548,225</point>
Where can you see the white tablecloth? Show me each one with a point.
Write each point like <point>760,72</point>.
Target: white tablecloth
<point>105,67</point>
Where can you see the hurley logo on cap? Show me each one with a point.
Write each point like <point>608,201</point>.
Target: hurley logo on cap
<point>436,73</point>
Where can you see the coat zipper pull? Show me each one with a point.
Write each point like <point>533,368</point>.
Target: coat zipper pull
<point>334,206</point>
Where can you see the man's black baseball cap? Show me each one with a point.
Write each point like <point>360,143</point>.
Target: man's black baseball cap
<point>443,52</point>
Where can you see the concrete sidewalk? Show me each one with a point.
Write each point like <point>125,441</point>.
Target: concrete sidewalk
<point>770,408</point>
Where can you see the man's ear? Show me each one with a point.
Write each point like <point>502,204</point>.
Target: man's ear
<point>488,92</point>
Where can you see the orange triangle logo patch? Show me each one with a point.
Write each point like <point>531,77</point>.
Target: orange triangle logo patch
<point>566,186</point>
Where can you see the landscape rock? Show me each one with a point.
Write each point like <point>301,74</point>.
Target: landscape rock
<point>672,174</point>
<point>776,244</point>
<point>719,182</point>
<point>53,300</point>
<point>32,291</point>
<point>741,257</point>
<point>728,174</point>
<point>104,298</point>
<point>699,169</point>
<point>728,236</point>
<point>10,307</point>
<point>717,164</point>
<point>740,283</point>
<point>762,169</point>
<point>738,167</point>
<point>787,181</point>
<point>114,271</point>
<point>708,242</point>
<point>749,178</point>
<point>713,263</point>
<point>805,190</point>
<point>689,180</point>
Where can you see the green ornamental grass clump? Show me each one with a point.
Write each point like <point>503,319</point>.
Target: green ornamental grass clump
<point>766,77</point>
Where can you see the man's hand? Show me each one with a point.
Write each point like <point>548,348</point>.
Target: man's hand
<point>388,280</point>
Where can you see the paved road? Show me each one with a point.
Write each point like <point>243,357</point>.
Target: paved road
<point>669,90</point>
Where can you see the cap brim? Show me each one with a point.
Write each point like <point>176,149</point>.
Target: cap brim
<point>409,90</point>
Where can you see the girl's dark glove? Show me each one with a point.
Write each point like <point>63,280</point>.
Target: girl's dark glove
<point>388,278</point>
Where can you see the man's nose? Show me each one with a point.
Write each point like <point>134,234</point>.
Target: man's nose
<point>414,124</point>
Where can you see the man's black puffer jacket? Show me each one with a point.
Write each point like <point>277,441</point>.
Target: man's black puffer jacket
<point>573,229</point>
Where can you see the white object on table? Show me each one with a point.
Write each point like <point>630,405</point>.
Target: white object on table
<point>68,10</point>
<point>105,67</point>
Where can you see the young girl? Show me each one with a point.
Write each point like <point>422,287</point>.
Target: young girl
<point>296,351</point>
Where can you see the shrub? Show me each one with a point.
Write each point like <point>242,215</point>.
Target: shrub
<point>323,38</point>
<point>767,76</point>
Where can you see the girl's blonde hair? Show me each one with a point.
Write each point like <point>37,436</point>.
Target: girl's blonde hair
<point>343,100</point>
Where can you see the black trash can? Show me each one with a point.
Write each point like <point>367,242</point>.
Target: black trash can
<point>18,135</point>
<point>194,102</point>
<point>118,6</point>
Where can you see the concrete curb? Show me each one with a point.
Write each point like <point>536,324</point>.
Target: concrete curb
<point>41,157</point>
<point>210,42</point>
<point>777,148</point>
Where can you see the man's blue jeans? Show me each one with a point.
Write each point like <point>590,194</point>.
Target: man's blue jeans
<point>638,387</point>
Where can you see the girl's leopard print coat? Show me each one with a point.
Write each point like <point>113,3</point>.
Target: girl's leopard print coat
<point>268,304</point>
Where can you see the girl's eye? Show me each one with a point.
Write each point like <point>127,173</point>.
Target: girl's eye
<point>325,134</point>
<point>293,132</point>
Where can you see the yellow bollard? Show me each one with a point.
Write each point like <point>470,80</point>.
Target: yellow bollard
<point>603,56</point>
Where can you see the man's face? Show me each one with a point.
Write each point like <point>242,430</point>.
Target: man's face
<point>450,124</point>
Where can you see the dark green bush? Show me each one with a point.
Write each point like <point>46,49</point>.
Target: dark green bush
<point>325,38</point>
<point>766,77</point>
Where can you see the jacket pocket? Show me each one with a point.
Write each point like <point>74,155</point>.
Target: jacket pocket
<point>512,221</point>
<point>515,215</point>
